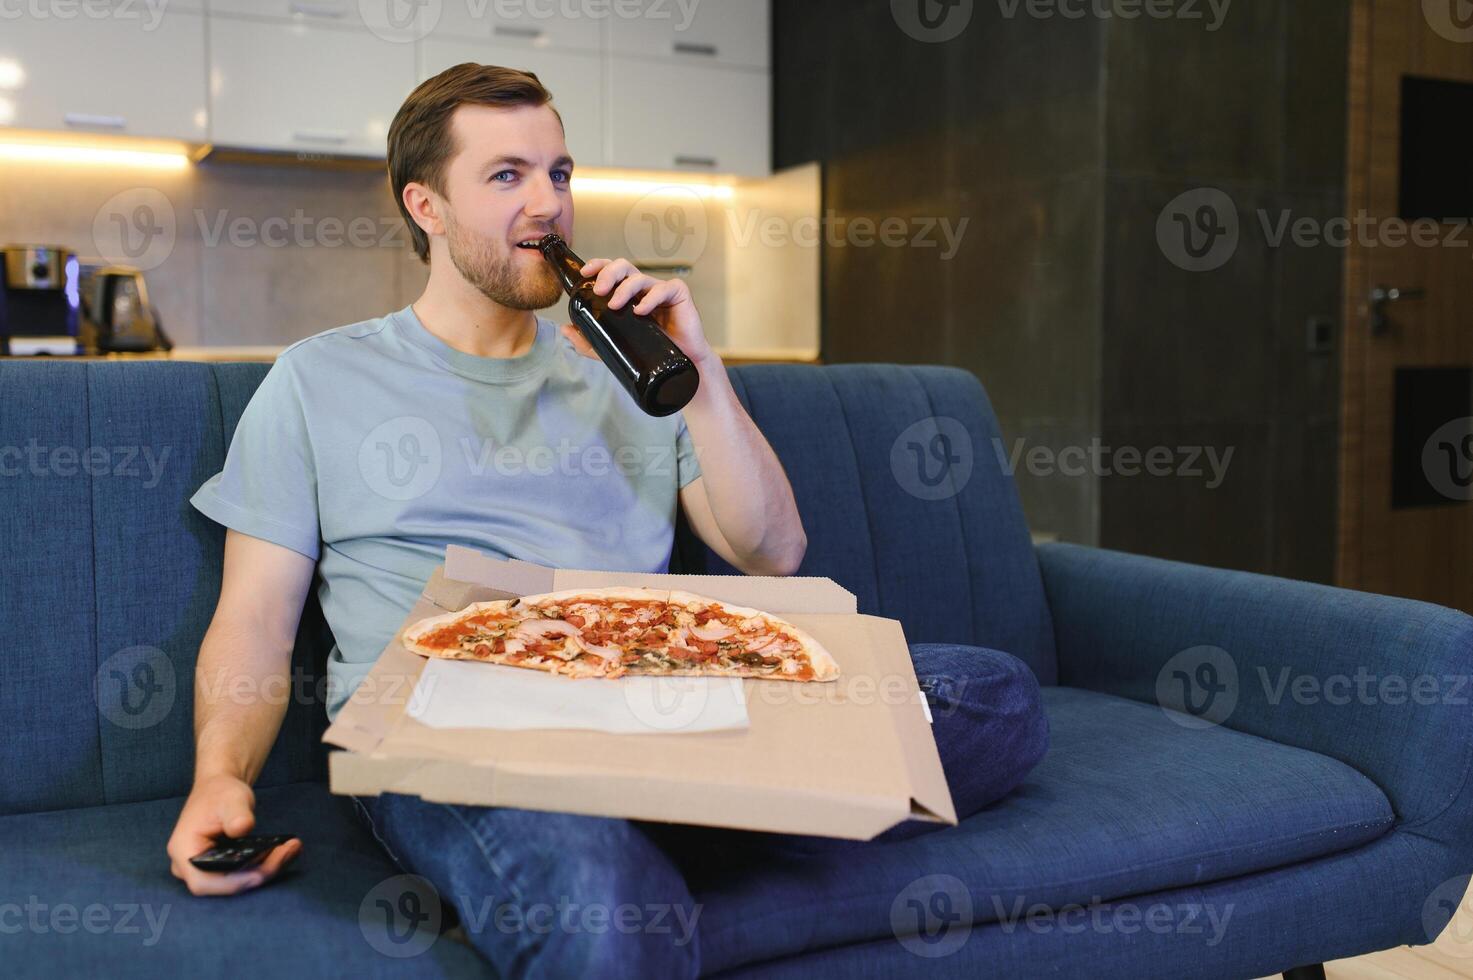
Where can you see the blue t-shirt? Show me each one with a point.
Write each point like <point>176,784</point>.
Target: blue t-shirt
<point>371,447</point>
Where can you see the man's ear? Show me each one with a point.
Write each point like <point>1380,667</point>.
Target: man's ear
<point>425,207</point>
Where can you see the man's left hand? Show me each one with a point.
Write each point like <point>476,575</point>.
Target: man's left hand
<point>666,301</point>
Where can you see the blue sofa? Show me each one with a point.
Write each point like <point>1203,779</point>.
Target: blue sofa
<point>1286,831</point>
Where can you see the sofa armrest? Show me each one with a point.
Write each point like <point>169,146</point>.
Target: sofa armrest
<point>1382,684</point>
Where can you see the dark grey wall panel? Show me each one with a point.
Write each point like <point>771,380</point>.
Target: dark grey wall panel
<point>1059,142</point>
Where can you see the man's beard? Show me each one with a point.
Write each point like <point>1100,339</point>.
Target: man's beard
<point>496,276</point>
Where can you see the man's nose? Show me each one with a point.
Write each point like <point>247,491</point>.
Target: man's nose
<point>544,202</point>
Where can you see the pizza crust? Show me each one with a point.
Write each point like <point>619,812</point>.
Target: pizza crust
<point>610,594</point>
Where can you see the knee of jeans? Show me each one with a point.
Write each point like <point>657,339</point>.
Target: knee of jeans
<point>608,921</point>
<point>646,940</point>
<point>997,689</point>
<point>978,675</point>
<point>1019,694</point>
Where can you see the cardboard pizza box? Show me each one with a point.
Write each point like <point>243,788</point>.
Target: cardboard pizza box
<point>848,758</point>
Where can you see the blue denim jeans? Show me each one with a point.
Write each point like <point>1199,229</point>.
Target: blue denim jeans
<point>561,895</point>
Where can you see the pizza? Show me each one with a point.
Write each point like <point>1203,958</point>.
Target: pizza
<point>611,632</point>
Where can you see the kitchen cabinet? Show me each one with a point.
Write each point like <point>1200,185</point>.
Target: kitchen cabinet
<point>575,80</point>
<point>704,119</point>
<point>669,85</point>
<point>136,10</point>
<point>389,19</point>
<point>137,82</point>
<point>305,87</point>
<point>538,24</point>
<point>713,31</point>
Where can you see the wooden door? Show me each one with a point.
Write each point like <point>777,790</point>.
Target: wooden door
<point>1406,486</point>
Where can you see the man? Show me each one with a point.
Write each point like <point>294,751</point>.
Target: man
<point>368,448</point>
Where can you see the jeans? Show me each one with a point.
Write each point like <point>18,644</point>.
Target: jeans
<point>563,895</point>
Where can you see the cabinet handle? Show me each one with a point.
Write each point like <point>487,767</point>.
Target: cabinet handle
<point>320,136</point>
<point>509,30</point>
<point>101,122</point>
<point>317,9</point>
<point>685,161</point>
<point>686,47</point>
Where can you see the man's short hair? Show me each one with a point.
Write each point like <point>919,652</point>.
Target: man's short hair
<point>421,141</point>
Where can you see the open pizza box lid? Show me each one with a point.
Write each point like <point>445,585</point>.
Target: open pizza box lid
<point>847,758</point>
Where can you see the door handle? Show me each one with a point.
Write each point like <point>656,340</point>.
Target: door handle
<point>1381,297</point>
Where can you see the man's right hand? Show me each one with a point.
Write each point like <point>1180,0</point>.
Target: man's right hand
<point>221,806</point>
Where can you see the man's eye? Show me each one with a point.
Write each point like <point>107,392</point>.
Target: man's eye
<point>504,173</point>
<point>561,175</point>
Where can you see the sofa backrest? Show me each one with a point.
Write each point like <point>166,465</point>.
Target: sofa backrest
<point>111,577</point>
<point>904,499</point>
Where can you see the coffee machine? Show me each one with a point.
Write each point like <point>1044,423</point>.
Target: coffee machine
<point>40,300</point>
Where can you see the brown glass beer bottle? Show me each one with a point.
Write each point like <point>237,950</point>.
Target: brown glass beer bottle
<point>642,356</point>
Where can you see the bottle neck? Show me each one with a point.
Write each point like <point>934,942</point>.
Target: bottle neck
<point>566,264</point>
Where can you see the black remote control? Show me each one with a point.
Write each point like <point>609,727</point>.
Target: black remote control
<point>235,853</point>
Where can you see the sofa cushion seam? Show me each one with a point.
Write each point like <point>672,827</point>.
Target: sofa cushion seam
<point>96,617</point>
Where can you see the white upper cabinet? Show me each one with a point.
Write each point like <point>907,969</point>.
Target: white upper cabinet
<point>731,32</point>
<point>390,19</point>
<point>144,75</point>
<point>574,78</point>
<point>532,23</point>
<point>649,84</point>
<point>302,86</point>
<point>708,120</point>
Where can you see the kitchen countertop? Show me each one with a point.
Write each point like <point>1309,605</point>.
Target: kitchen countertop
<point>267,353</point>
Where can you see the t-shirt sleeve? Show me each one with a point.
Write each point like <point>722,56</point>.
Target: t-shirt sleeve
<point>686,465</point>
<point>268,486</point>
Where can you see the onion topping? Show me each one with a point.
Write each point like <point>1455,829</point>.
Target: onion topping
<point>712,631</point>
<point>606,653</point>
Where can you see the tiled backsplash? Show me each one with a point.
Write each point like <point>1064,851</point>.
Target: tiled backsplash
<point>239,254</point>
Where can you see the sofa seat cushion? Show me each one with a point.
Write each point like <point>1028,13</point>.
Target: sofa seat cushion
<point>88,893</point>
<point>1127,801</point>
